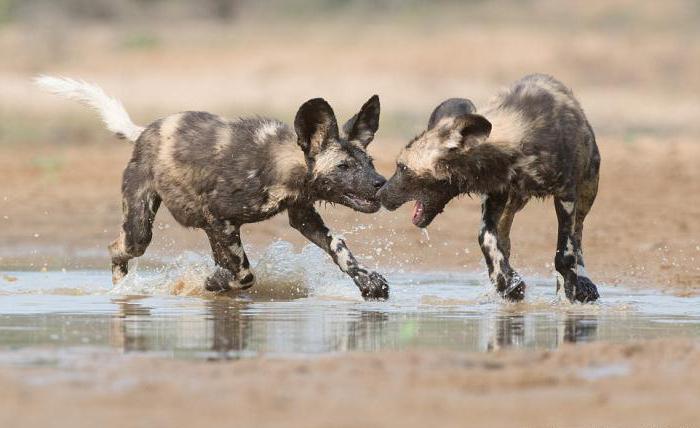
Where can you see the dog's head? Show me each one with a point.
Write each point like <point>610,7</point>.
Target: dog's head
<point>341,170</point>
<point>425,166</point>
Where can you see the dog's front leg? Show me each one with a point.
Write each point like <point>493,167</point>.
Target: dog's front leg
<point>507,282</point>
<point>307,221</point>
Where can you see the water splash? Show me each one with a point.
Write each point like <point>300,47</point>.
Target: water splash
<point>281,273</point>
<point>426,235</point>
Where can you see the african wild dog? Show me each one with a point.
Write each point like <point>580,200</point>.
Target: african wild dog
<point>217,175</point>
<point>531,140</point>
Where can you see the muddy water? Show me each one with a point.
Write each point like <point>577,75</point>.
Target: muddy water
<point>302,306</point>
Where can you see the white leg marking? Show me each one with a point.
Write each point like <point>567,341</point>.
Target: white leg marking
<point>229,228</point>
<point>237,251</point>
<point>342,253</point>
<point>582,271</point>
<point>491,244</point>
<point>568,207</point>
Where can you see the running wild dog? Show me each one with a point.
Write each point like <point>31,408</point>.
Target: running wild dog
<point>531,140</point>
<point>216,175</point>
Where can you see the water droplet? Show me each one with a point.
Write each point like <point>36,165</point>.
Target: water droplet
<point>426,235</point>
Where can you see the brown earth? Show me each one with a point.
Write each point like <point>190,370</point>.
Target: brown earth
<point>647,384</point>
<point>634,65</point>
<point>60,172</point>
<point>60,207</point>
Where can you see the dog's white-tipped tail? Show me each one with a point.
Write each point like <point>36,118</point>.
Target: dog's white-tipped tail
<point>110,109</point>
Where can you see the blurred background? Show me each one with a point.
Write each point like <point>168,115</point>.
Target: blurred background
<point>634,65</point>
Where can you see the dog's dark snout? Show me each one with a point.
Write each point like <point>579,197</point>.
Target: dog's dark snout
<point>379,182</point>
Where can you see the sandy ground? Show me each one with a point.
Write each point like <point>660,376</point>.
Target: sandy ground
<point>59,200</point>
<point>636,73</point>
<point>60,207</point>
<point>650,384</point>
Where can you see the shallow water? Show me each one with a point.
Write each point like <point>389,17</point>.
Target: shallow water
<point>303,306</point>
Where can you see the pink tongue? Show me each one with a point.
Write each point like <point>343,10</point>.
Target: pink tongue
<point>417,211</point>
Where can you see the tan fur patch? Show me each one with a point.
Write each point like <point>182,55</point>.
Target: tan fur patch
<point>166,149</point>
<point>507,127</point>
<point>223,138</point>
<point>117,249</point>
<point>276,195</point>
<point>328,159</point>
<point>287,158</point>
<point>425,152</point>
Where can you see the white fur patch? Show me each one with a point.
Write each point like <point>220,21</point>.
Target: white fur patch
<point>110,109</point>
<point>569,247</point>
<point>567,206</point>
<point>490,242</point>
<point>582,271</point>
<point>342,255</point>
<point>267,130</point>
<point>237,251</point>
<point>229,228</point>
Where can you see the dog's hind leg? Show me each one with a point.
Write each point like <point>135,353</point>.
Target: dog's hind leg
<point>139,206</point>
<point>586,196</point>
<point>233,268</point>
<point>496,247</point>
<point>307,221</point>
<point>568,251</point>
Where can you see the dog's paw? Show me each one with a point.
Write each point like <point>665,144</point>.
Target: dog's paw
<point>223,280</point>
<point>372,286</point>
<point>586,291</point>
<point>515,290</point>
<point>119,271</point>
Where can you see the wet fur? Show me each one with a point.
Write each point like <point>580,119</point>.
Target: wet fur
<point>217,175</point>
<point>531,140</point>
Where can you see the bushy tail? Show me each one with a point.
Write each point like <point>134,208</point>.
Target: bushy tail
<point>110,109</point>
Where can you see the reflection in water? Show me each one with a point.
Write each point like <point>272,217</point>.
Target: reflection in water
<point>443,312</point>
<point>230,331</point>
<point>230,328</point>
<point>580,328</point>
<point>518,330</point>
<point>129,313</point>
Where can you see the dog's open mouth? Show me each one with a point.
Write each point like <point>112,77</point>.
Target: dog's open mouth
<point>425,212</point>
<point>418,213</point>
<point>360,203</point>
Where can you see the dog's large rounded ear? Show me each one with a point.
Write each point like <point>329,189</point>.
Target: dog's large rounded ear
<point>365,123</point>
<point>315,126</point>
<point>473,129</point>
<point>452,107</point>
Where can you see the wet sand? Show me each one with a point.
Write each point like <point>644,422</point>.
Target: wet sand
<point>618,385</point>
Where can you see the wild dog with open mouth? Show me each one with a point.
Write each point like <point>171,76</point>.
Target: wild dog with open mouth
<point>216,175</point>
<point>531,140</point>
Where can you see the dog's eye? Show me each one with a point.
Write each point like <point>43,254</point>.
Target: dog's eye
<point>402,167</point>
<point>344,166</point>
